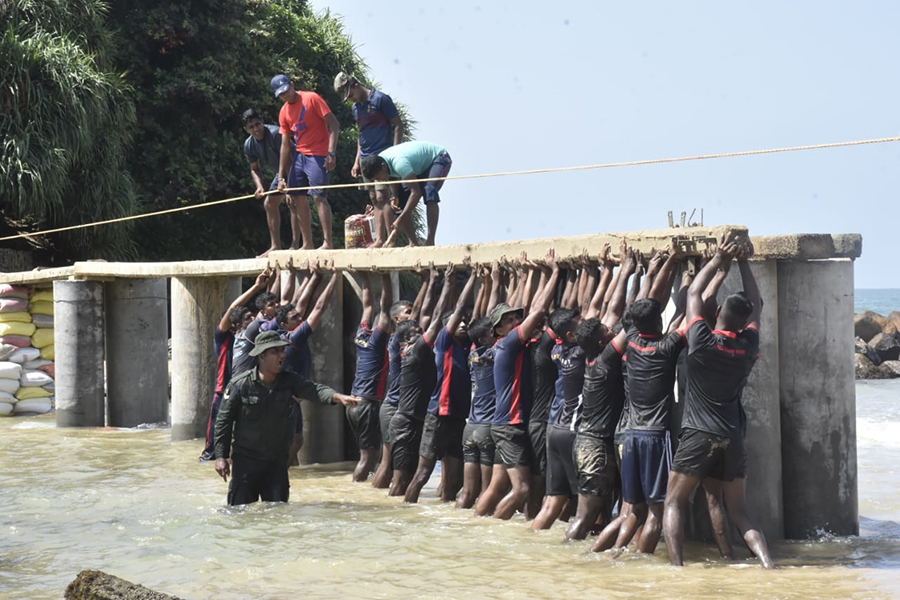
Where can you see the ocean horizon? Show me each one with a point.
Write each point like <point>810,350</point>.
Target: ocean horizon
<point>882,301</point>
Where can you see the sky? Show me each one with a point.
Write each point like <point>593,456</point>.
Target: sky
<point>525,85</point>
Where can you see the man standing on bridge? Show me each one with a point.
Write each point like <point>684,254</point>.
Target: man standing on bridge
<point>263,145</point>
<point>251,428</point>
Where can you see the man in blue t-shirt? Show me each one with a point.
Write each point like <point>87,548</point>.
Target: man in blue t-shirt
<point>263,146</point>
<point>370,381</point>
<point>380,127</point>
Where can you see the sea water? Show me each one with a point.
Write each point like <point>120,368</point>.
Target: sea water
<point>134,504</point>
<point>880,301</point>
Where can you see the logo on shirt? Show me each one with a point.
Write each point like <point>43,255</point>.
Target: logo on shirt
<point>300,125</point>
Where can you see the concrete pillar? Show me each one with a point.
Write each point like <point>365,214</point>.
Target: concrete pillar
<point>323,426</point>
<point>78,335</point>
<point>234,287</point>
<point>137,367</point>
<point>818,397</point>
<point>197,306</point>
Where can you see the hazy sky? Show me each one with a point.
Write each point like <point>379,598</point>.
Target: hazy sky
<point>525,85</point>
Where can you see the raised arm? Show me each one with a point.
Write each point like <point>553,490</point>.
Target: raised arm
<point>703,282</point>
<point>368,304</point>
<point>606,274</point>
<point>258,286</point>
<point>662,285</point>
<point>484,290</point>
<point>435,325</point>
<point>636,280</point>
<point>287,292</point>
<point>528,289</point>
<point>387,298</point>
<point>428,302</point>
<point>617,302</point>
<point>653,267</point>
<point>570,294</point>
<point>464,298</point>
<point>306,290</point>
<point>420,297</point>
<point>275,283</point>
<point>749,281</point>
<point>542,301</point>
<point>496,286</point>
<point>316,314</point>
<point>681,299</point>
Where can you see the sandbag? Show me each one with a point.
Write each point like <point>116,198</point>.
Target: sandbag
<point>6,350</point>
<point>45,295</point>
<point>26,329</point>
<point>42,338</point>
<point>50,387</point>
<point>42,321</point>
<point>19,341</point>
<point>37,363</point>
<point>13,291</point>
<point>6,409</point>
<point>23,355</point>
<point>34,378</point>
<point>27,393</point>
<point>10,370</point>
<point>8,397</point>
<point>358,231</point>
<point>42,307</point>
<point>39,406</point>
<point>49,370</point>
<point>15,317</point>
<point>48,352</point>
<point>13,305</point>
<point>9,386</point>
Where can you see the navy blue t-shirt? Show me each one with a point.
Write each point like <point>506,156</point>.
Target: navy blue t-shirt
<point>393,389</point>
<point>566,407</point>
<point>373,119</point>
<point>452,394</point>
<point>297,356</point>
<point>370,381</point>
<point>513,379</point>
<point>484,395</point>
<point>545,375</point>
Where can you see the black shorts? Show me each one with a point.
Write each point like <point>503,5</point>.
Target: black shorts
<point>252,479</point>
<point>365,424</point>
<point>537,433</point>
<point>441,437</point>
<point>703,454</point>
<point>406,436</point>
<point>646,458</point>
<point>512,446</point>
<point>385,414</point>
<point>478,446</point>
<point>595,463</point>
<point>561,477</point>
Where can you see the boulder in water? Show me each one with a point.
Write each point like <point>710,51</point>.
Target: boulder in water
<point>868,324</point>
<point>890,368</point>
<point>886,346</point>
<point>97,585</point>
<point>865,369</point>
<point>892,323</point>
<point>860,347</point>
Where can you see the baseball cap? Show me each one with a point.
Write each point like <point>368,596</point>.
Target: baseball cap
<point>280,84</point>
<point>500,310</point>
<point>342,84</point>
<point>267,340</point>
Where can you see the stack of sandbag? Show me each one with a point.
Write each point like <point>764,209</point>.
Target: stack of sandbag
<point>26,350</point>
<point>41,310</point>
<point>9,385</point>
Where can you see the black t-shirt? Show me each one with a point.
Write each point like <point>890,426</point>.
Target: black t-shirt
<point>650,378</point>
<point>418,376</point>
<point>545,374</point>
<point>718,365</point>
<point>569,359</point>
<point>244,342</point>
<point>603,394</point>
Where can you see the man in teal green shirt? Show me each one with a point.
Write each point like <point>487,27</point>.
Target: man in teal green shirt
<point>412,160</point>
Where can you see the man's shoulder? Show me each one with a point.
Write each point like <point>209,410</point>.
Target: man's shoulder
<point>242,379</point>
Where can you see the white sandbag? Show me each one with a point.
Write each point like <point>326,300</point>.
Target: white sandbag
<point>6,409</point>
<point>9,386</point>
<point>50,387</point>
<point>8,397</point>
<point>6,350</point>
<point>42,321</point>
<point>37,363</point>
<point>37,405</point>
<point>23,355</point>
<point>34,378</point>
<point>10,370</point>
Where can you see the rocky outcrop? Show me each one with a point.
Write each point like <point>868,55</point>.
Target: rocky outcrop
<point>886,346</point>
<point>97,585</point>
<point>877,345</point>
<point>868,324</point>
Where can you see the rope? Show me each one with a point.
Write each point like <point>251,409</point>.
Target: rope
<point>633,163</point>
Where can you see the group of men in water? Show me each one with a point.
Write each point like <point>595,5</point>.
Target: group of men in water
<point>301,152</point>
<point>545,387</point>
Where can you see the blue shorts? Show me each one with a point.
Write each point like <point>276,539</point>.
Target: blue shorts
<point>646,459</point>
<point>439,168</point>
<point>274,184</point>
<point>308,171</point>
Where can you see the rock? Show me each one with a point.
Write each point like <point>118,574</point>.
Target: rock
<point>886,346</point>
<point>868,324</point>
<point>891,368</point>
<point>97,585</point>
<point>860,347</point>
<point>865,369</point>
<point>892,324</point>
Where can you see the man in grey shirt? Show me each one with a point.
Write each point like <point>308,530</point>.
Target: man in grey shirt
<point>264,146</point>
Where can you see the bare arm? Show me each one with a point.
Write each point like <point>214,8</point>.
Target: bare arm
<point>496,287</point>
<point>570,295</point>
<point>681,300</point>
<point>258,286</point>
<point>256,175</point>
<point>636,280</point>
<point>703,282</point>
<point>427,303</point>
<point>483,290</point>
<point>662,286</point>
<point>287,292</point>
<point>316,315</point>
<point>617,302</point>
<point>435,325</point>
<point>420,297</point>
<point>397,123</point>
<point>387,298</point>
<point>606,274</point>
<point>527,290</point>
<point>653,267</point>
<point>750,286</point>
<point>284,165</point>
<point>275,283</point>
<point>590,287</point>
<point>306,290</point>
<point>368,305</point>
<point>334,129</point>
<point>542,301</point>
<point>464,298</point>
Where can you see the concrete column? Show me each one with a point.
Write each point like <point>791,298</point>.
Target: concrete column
<point>137,367</point>
<point>78,335</point>
<point>818,397</point>
<point>323,426</point>
<point>233,288</point>
<point>197,306</point>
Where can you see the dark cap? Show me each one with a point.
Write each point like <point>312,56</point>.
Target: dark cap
<point>342,84</point>
<point>267,340</point>
<point>280,84</point>
<point>500,310</point>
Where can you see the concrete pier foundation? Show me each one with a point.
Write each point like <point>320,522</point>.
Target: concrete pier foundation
<point>818,397</point>
<point>136,343</point>
<point>79,318</point>
<point>197,306</point>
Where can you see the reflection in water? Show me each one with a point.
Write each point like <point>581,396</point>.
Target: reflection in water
<point>131,503</point>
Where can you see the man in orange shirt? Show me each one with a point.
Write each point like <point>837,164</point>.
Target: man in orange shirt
<point>305,121</point>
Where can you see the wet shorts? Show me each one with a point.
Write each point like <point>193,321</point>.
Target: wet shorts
<point>595,463</point>
<point>703,454</point>
<point>385,414</point>
<point>365,424</point>
<point>512,446</point>
<point>561,477</point>
<point>252,479</point>
<point>537,432</point>
<point>406,436</point>
<point>646,458</point>
<point>478,446</point>
<point>308,171</point>
<point>442,436</point>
